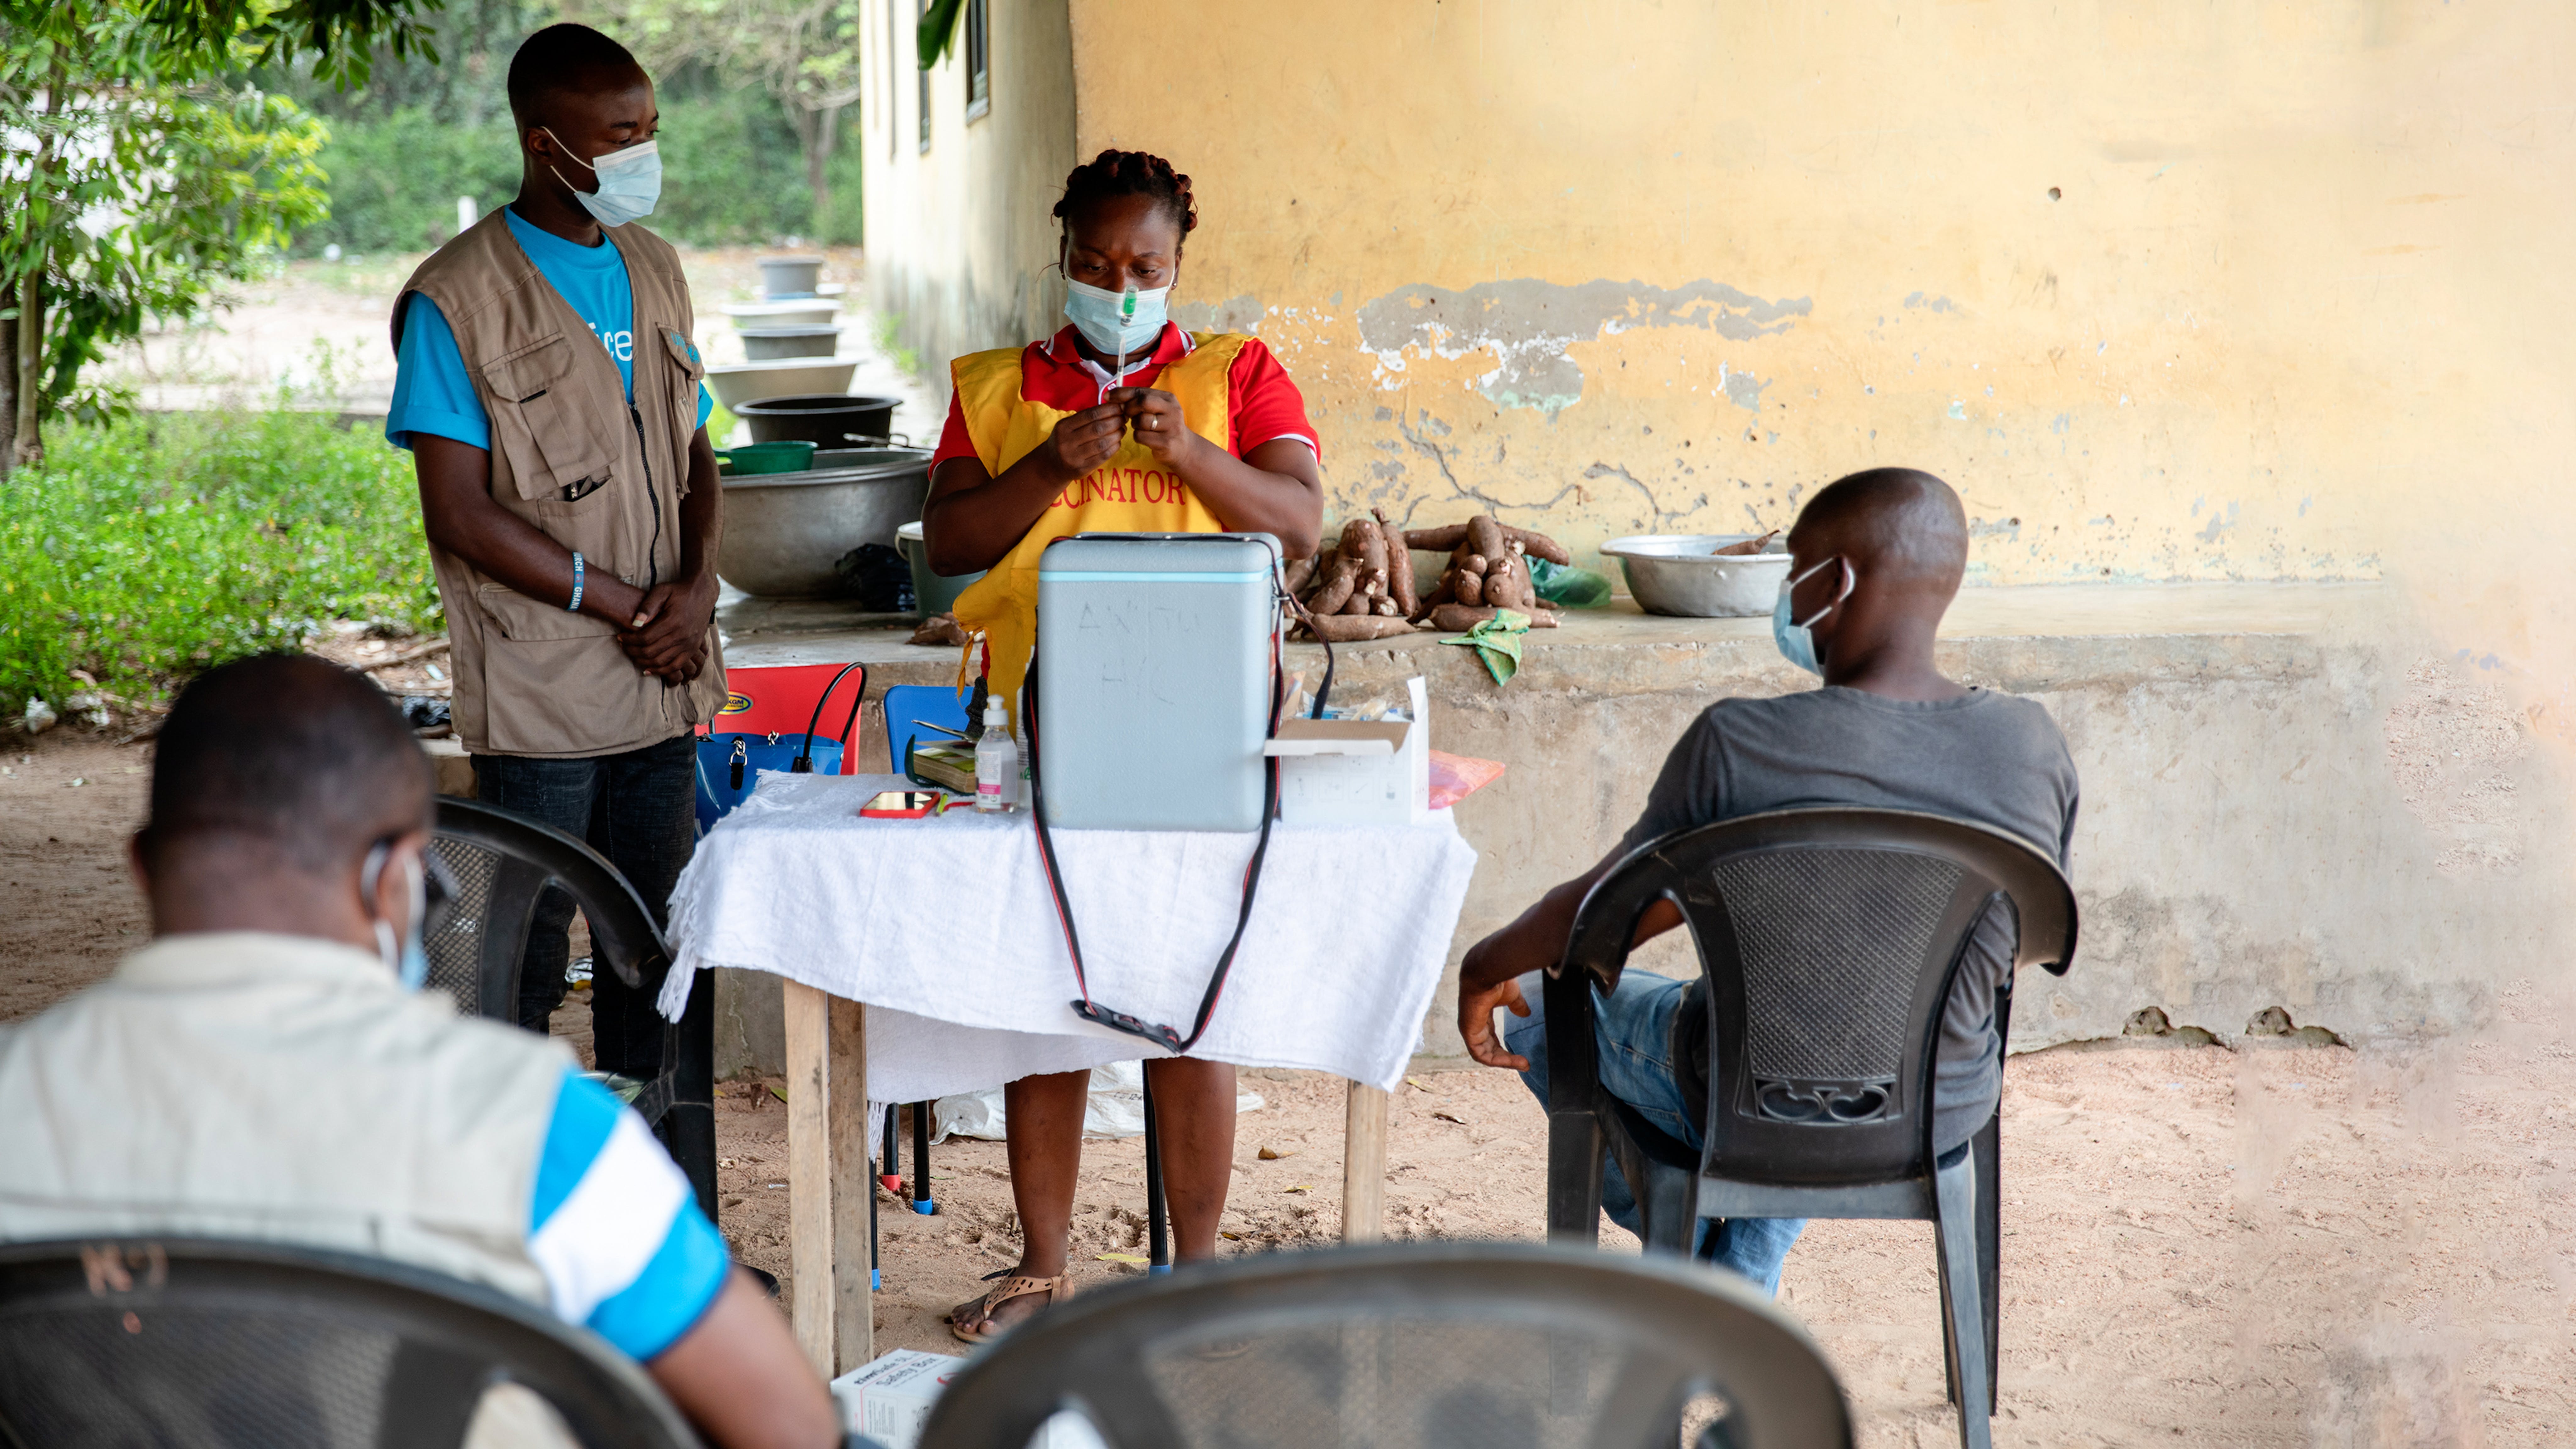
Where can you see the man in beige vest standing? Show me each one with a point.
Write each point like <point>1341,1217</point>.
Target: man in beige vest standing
<point>550,395</point>
<point>267,1068</point>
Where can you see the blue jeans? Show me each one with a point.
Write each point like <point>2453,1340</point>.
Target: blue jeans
<point>1633,1030</point>
<point>639,810</point>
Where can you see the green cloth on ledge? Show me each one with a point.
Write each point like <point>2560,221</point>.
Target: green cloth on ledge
<point>1497,641</point>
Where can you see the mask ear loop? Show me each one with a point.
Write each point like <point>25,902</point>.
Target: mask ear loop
<point>387,945</point>
<point>567,150</point>
<point>1851,581</point>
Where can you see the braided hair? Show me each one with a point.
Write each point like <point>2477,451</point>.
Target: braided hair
<point>1129,173</point>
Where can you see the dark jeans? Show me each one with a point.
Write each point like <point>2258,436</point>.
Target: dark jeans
<point>638,810</point>
<point>1632,1034</point>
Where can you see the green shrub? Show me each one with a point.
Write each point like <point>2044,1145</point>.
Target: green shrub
<point>145,550</point>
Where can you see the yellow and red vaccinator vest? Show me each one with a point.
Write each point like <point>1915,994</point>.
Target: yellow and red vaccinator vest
<point>1133,492</point>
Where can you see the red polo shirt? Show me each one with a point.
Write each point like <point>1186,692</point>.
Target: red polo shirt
<point>1262,405</point>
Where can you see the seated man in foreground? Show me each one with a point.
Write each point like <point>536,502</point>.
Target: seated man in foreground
<point>1875,561</point>
<point>265,1069</point>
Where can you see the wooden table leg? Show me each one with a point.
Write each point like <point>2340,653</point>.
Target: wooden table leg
<point>1364,1165</point>
<point>827,1178</point>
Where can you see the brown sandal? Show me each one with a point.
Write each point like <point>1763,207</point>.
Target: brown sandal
<point>1058,1289</point>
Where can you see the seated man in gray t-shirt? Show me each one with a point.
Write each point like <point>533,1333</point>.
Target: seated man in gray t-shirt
<point>1875,561</point>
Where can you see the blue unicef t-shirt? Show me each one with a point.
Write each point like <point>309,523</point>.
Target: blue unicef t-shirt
<point>431,391</point>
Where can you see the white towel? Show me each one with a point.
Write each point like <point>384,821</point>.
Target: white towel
<point>944,926</point>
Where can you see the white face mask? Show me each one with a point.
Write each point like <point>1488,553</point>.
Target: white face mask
<point>630,182</point>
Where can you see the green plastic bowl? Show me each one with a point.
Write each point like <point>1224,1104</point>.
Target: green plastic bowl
<point>756,458</point>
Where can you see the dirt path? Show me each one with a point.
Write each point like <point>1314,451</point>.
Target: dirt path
<point>2282,1247</point>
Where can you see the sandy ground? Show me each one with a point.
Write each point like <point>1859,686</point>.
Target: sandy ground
<point>2250,1247</point>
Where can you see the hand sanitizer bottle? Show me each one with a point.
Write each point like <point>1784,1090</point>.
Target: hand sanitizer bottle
<point>997,761</point>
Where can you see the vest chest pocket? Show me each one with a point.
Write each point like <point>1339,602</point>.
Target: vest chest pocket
<point>546,418</point>
<point>690,369</point>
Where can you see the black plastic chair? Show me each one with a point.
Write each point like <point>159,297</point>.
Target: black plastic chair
<point>500,862</point>
<point>201,1342</point>
<point>1829,939</point>
<point>1407,1346</point>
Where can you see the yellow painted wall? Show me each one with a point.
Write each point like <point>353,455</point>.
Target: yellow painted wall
<point>2206,290</point>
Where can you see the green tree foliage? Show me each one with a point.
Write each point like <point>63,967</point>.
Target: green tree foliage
<point>804,53</point>
<point>731,173</point>
<point>138,180</point>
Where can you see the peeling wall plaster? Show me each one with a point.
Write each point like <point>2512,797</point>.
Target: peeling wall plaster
<point>1527,326</point>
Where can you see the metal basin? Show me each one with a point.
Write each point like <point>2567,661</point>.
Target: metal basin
<point>741,382</point>
<point>796,312</point>
<point>768,344</point>
<point>1678,573</point>
<point>825,419</point>
<point>783,532</point>
<point>784,277</point>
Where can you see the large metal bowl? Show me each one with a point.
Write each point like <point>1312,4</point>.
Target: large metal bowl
<point>1682,574</point>
<point>740,382</point>
<point>783,532</point>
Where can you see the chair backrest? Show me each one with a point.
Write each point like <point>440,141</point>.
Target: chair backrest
<point>501,862</point>
<point>1829,937</point>
<point>910,706</point>
<point>780,699</point>
<point>141,1341</point>
<point>1405,1346</point>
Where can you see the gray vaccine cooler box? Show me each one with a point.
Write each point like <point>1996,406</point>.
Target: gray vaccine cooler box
<point>1154,667</point>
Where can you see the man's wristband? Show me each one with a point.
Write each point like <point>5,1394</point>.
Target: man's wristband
<point>575,606</point>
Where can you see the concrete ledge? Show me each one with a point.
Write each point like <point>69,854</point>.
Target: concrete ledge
<point>455,768</point>
<point>2272,777</point>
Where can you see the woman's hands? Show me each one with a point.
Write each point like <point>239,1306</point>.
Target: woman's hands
<point>972,519</point>
<point>1156,416</point>
<point>1083,441</point>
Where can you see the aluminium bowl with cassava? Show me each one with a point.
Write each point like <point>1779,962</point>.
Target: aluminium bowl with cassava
<point>1682,574</point>
<point>785,532</point>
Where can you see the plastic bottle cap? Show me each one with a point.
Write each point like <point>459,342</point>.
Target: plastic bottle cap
<point>993,714</point>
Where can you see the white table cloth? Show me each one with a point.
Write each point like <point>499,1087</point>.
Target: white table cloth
<point>945,928</point>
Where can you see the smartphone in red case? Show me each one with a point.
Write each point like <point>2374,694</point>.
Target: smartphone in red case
<point>902,804</point>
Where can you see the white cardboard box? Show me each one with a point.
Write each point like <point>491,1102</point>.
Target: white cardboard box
<point>889,1400</point>
<point>1356,772</point>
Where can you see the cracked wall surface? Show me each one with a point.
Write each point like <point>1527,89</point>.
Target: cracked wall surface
<point>2232,292</point>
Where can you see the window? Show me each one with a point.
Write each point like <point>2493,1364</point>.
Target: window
<point>979,61</point>
<point>923,96</point>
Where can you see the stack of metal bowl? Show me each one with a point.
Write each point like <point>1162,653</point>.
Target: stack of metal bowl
<point>791,338</point>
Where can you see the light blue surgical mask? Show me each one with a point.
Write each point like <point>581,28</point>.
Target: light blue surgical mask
<point>409,960</point>
<point>630,181</point>
<point>1122,323</point>
<point>1797,642</point>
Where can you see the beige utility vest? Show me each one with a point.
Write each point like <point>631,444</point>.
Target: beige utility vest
<point>281,1088</point>
<point>570,456</point>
